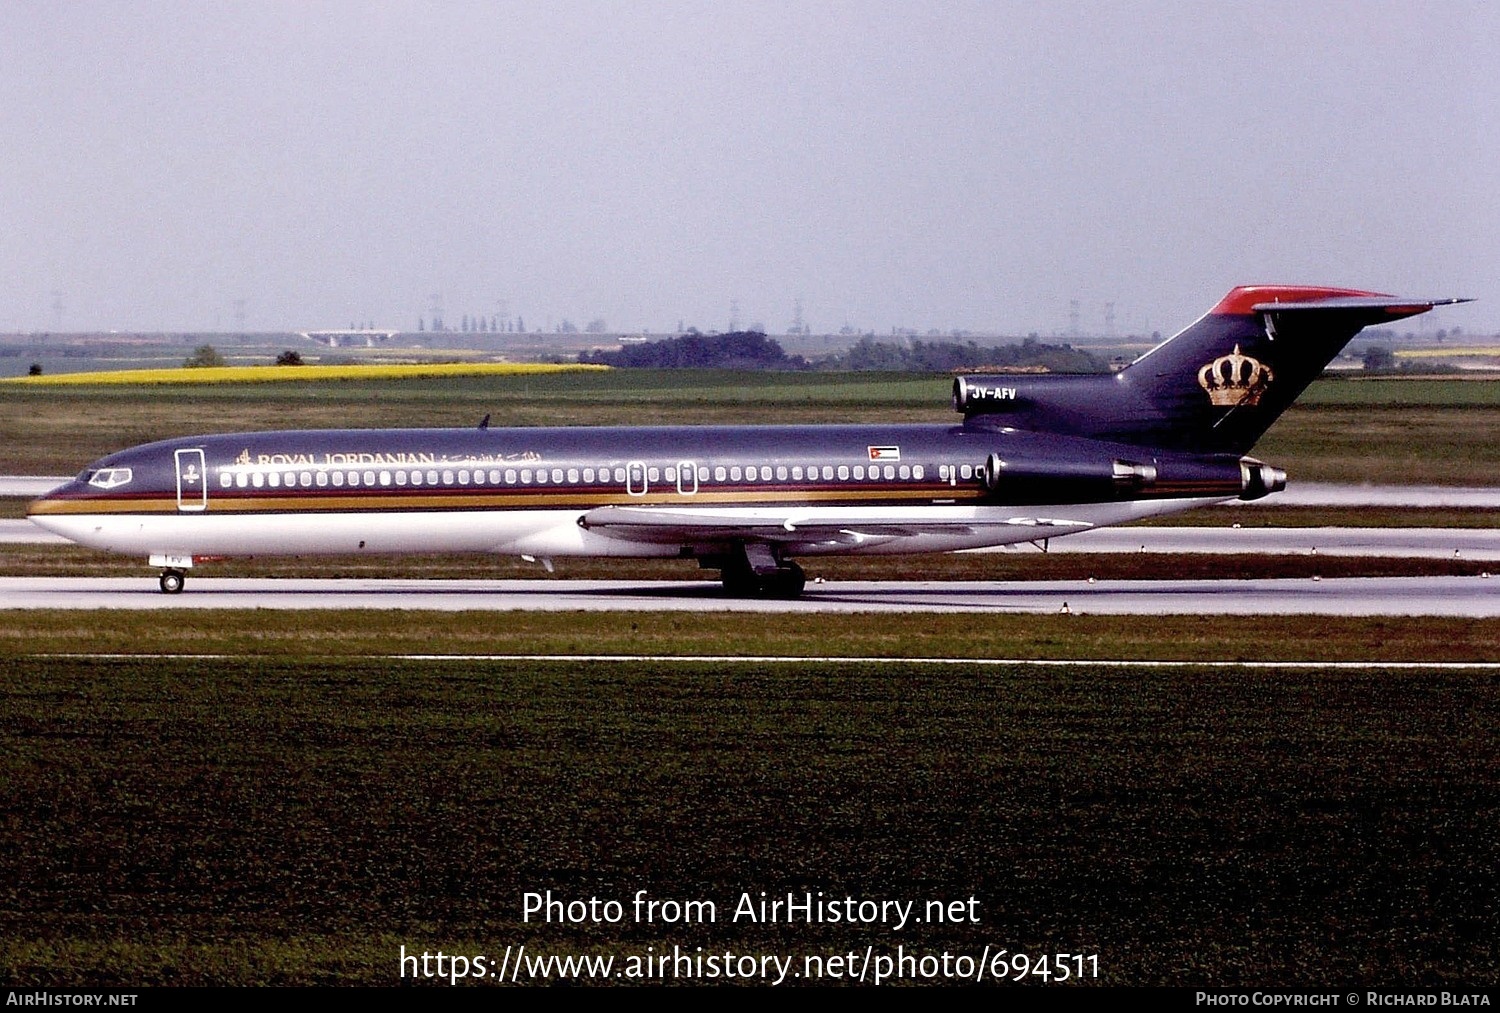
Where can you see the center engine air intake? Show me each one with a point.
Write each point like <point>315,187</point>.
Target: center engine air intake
<point>984,394</point>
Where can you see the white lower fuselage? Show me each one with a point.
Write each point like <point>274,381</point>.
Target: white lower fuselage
<point>559,532</point>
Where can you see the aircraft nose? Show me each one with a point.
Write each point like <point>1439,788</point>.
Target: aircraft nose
<point>48,493</point>
<point>38,487</point>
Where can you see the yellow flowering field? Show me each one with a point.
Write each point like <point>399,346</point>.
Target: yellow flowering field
<point>1447,353</point>
<point>274,374</point>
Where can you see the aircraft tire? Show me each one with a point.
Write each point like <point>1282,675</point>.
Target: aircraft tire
<point>172,581</point>
<point>739,584</point>
<point>787,582</point>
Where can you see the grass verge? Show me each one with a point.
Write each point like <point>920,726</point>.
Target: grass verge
<point>336,633</point>
<point>296,822</point>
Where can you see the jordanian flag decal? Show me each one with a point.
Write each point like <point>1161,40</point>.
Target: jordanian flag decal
<point>885,453</point>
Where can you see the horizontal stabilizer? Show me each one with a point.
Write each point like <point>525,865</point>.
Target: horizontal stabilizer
<point>1358,303</point>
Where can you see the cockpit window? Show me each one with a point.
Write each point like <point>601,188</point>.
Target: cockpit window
<point>110,478</point>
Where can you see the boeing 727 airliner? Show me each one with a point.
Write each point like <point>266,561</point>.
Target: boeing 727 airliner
<point>1034,457</point>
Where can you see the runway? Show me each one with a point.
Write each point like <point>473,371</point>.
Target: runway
<point>1429,543</point>
<point>1474,597</point>
<point>1329,494</point>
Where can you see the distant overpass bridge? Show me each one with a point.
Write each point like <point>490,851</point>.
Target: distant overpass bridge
<point>360,338</point>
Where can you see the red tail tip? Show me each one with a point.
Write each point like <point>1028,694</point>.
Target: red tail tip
<point>1241,300</point>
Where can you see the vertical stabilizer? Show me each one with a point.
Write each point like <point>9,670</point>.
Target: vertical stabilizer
<point>1218,385</point>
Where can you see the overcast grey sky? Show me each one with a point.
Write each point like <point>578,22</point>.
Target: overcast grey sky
<point>892,164</point>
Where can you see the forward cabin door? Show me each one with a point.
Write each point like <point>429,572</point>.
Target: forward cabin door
<point>192,482</point>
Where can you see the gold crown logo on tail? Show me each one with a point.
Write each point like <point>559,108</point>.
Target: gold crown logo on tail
<point>1235,379</point>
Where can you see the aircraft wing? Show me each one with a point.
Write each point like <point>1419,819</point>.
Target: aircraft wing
<point>800,525</point>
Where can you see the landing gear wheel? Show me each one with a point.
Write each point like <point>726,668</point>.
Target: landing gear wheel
<point>740,582</point>
<point>172,581</point>
<point>786,582</point>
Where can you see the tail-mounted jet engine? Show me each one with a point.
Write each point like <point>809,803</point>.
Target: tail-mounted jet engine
<point>1100,479</point>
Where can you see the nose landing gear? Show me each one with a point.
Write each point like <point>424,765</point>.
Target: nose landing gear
<point>172,581</point>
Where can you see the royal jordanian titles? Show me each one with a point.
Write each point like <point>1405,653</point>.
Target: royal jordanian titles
<point>1033,458</point>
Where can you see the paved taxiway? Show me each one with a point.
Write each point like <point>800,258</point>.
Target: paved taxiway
<point>1418,596</point>
<point>1429,543</point>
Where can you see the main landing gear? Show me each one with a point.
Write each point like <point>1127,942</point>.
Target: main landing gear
<point>756,572</point>
<point>172,581</point>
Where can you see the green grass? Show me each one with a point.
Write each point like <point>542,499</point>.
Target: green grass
<point>1396,444</point>
<point>334,633</point>
<point>1439,431</point>
<point>293,822</point>
<point>1427,392</point>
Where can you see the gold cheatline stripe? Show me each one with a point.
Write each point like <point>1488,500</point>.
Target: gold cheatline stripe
<point>481,501</point>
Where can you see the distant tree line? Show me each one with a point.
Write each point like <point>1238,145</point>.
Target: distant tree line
<point>753,350</point>
<point>951,356</point>
<point>735,350</point>
<point>1382,359</point>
